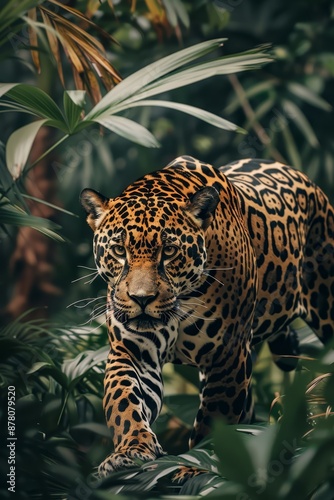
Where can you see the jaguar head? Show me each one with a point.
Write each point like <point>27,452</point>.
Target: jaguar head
<point>151,250</point>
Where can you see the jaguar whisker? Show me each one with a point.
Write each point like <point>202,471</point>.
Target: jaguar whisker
<point>87,301</point>
<point>95,274</point>
<point>214,277</point>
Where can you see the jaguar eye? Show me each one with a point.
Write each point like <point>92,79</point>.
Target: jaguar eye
<point>118,251</point>
<point>170,251</point>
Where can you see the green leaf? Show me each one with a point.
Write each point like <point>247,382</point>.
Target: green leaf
<point>37,101</point>
<point>6,87</point>
<point>297,116</point>
<point>201,458</point>
<point>43,202</point>
<point>176,9</point>
<point>312,467</point>
<point>171,13</point>
<point>129,129</point>
<point>293,423</point>
<point>152,72</point>
<point>203,485</point>
<point>291,147</point>
<point>222,66</point>
<point>76,368</point>
<point>51,370</point>
<point>159,77</point>
<point>74,102</point>
<point>183,406</point>
<point>16,216</point>
<point>19,146</point>
<point>254,90</point>
<point>235,460</point>
<point>201,114</point>
<point>181,12</point>
<point>308,96</point>
<point>260,111</point>
<point>81,430</point>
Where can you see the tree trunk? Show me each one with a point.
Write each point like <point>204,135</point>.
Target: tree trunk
<point>32,263</point>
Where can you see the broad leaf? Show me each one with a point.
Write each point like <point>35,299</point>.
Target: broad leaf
<point>6,87</point>
<point>312,468</point>
<point>74,101</point>
<point>230,447</point>
<point>19,145</point>
<point>51,370</point>
<point>36,100</point>
<point>293,423</point>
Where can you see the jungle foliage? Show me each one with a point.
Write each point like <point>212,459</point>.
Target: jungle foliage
<point>88,74</point>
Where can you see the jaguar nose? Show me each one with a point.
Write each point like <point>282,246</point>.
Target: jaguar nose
<point>142,300</point>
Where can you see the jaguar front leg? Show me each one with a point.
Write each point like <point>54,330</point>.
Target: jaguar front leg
<point>132,401</point>
<point>225,393</point>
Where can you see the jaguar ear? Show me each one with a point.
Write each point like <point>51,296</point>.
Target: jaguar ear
<point>202,206</point>
<point>95,205</point>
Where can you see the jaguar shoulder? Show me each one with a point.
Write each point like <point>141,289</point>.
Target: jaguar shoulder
<point>201,264</point>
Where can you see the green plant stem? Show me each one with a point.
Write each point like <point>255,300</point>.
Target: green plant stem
<point>51,148</point>
<point>249,113</point>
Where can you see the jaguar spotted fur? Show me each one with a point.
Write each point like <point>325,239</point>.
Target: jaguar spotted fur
<point>202,264</point>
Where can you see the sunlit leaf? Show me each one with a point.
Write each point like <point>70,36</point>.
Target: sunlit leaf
<point>6,87</point>
<point>19,146</point>
<point>244,61</point>
<point>72,51</point>
<point>158,77</point>
<point>201,114</point>
<point>181,12</point>
<point>129,130</point>
<point>76,368</point>
<point>152,72</point>
<point>175,9</point>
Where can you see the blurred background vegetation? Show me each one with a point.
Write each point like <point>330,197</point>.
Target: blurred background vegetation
<point>53,338</point>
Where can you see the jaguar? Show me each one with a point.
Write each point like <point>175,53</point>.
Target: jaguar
<point>202,264</point>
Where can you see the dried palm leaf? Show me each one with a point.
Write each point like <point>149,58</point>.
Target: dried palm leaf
<point>86,54</point>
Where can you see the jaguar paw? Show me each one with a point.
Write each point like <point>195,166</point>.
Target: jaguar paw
<point>184,473</point>
<point>127,459</point>
<point>115,462</point>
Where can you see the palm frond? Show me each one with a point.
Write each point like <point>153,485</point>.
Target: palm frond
<point>66,28</point>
